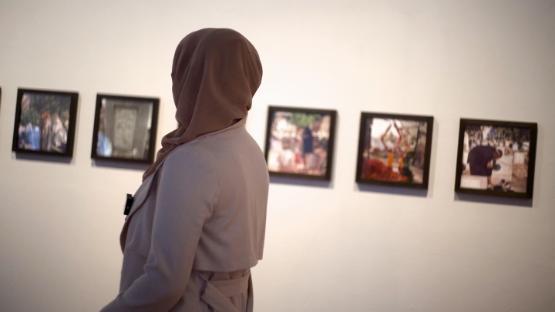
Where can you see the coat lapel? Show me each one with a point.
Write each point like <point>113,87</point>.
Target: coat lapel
<point>140,195</point>
<point>138,200</point>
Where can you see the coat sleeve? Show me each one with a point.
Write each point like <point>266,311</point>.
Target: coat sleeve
<point>185,197</point>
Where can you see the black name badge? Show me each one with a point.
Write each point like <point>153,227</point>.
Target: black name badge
<point>128,204</point>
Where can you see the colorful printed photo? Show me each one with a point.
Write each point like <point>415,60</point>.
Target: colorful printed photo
<point>394,149</point>
<point>496,157</point>
<point>299,142</point>
<point>44,122</point>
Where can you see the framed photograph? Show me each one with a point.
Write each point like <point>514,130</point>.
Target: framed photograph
<point>394,149</point>
<point>125,128</point>
<point>496,158</point>
<point>299,142</point>
<point>45,122</point>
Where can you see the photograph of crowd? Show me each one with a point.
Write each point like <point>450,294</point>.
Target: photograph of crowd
<point>394,149</point>
<point>44,122</point>
<point>496,157</point>
<point>299,142</point>
<point>125,128</point>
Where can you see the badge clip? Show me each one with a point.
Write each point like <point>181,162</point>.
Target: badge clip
<point>128,204</point>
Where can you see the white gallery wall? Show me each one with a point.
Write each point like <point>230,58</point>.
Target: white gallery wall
<point>333,247</point>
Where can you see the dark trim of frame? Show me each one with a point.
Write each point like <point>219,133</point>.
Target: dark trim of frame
<point>331,142</point>
<point>429,120</point>
<point>74,97</point>
<point>153,127</point>
<point>533,127</point>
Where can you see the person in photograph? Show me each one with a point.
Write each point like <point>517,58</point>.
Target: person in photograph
<point>320,151</point>
<point>298,157</point>
<point>34,137</point>
<point>484,134</point>
<point>374,168</point>
<point>59,134</point>
<point>29,133</point>
<point>22,136</point>
<point>404,150</point>
<point>404,166</point>
<point>103,146</point>
<point>308,147</point>
<point>281,156</point>
<point>196,226</point>
<point>104,143</point>
<point>389,144</point>
<point>287,155</point>
<point>396,146</point>
<point>46,131</point>
<point>482,161</point>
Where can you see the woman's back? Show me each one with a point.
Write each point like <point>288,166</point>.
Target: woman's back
<point>233,237</point>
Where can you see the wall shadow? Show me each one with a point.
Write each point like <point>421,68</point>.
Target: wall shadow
<point>44,158</point>
<point>119,165</point>
<point>484,199</point>
<point>301,182</point>
<point>392,190</point>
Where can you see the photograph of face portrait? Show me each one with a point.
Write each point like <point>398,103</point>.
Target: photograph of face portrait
<point>125,128</point>
<point>299,142</point>
<point>496,158</point>
<point>394,149</point>
<point>44,122</point>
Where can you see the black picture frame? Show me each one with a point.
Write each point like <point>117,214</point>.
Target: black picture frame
<point>419,159</point>
<point>141,108</point>
<point>324,118</point>
<point>39,106</point>
<point>527,133</point>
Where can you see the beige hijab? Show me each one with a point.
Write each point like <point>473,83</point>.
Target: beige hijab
<point>215,75</point>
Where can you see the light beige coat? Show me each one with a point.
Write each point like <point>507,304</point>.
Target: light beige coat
<point>196,227</point>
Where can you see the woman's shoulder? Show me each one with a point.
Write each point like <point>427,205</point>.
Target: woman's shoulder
<point>190,154</point>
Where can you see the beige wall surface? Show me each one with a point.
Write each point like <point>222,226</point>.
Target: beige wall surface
<point>329,248</point>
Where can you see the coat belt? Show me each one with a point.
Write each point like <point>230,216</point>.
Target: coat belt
<point>217,293</point>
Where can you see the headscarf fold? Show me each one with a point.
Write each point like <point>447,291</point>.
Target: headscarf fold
<point>215,74</point>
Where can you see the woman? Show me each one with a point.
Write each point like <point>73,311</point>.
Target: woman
<point>196,225</point>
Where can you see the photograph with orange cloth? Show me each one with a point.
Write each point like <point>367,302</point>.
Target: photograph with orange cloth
<point>394,149</point>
